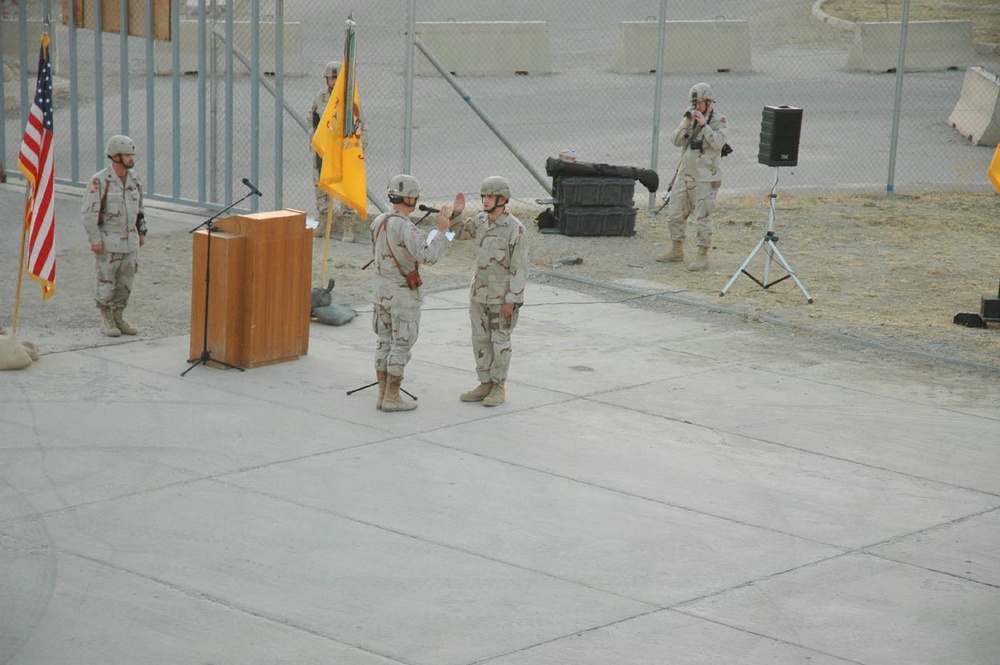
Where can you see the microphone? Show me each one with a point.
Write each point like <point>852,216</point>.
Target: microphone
<point>253,187</point>
<point>424,208</point>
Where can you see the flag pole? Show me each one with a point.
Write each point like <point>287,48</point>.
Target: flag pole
<point>20,262</point>
<point>347,70</point>
<point>326,242</point>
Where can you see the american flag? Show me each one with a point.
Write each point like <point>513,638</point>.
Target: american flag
<point>36,163</point>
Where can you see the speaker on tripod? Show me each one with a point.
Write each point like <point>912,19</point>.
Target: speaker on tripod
<point>780,127</point>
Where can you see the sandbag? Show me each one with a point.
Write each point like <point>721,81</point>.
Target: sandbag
<point>15,354</point>
<point>321,297</point>
<point>334,314</point>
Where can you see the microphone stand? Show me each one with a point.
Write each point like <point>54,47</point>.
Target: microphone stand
<point>206,355</point>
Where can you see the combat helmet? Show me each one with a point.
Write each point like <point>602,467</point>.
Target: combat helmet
<point>701,92</point>
<point>495,185</point>
<point>403,186</point>
<point>332,69</point>
<point>119,144</point>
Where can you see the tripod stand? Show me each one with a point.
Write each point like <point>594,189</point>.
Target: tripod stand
<point>767,243</point>
<point>206,355</point>
<point>375,383</point>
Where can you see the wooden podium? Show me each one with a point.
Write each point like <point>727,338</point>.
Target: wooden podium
<point>259,291</point>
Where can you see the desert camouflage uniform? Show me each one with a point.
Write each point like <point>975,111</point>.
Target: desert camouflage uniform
<point>396,312</point>
<point>698,178</point>
<point>117,264</point>
<point>501,275</point>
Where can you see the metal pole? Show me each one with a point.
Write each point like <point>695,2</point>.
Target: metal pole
<point>150,102</point>
<point>99,86</point>
<point>123,28</point>
<point>489,123</point>
<point>255,100</point>
<point>661,47</point>
<point>227,195</point>
<point>279,85</point>
<point>175,102</point>
<point>74,95</point>
<point>408,83</point>
<point>897,101</point>
<point>213,109</point>
<point>203,165</point>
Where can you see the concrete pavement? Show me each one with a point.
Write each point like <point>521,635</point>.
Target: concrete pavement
<point>664,485</point>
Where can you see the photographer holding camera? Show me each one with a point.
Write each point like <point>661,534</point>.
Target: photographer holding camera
<point>702,136</point>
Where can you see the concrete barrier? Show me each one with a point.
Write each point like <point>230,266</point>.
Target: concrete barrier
<point>931,46</point>
<point>485,48</point>
<point>977,114</point>
<point>188,37</point>
<point>691,47</point>
<point>11,45</point>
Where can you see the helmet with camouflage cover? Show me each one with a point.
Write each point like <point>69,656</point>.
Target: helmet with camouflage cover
<point>119,144</point>
<point>495,185</point>
<point>403,186</point>
<point>332,69</point>
<point>701,92</point>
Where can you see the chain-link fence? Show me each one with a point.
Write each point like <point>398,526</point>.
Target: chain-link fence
<point>531,79</point>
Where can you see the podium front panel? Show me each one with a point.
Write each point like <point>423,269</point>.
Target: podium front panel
<point>225,296</point>
<point>277,275</point>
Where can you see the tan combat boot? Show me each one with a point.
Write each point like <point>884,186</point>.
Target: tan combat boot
<point>393,401</point>
<point>700,262</point>
<point>382,380</point>
<point>125,328</point>
<point>108,326</point>
<point>497,396</point>
<point>675,254</point>
<point>477,394</point>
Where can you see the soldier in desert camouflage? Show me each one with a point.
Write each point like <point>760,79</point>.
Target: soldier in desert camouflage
<point>498,283</point>
<point>113,218</point>
<point>399,248</point>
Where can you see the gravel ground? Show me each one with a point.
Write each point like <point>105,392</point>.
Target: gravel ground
<point>889,274</point>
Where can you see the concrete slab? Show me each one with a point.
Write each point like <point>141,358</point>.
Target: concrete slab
<point>867,610</point>
<point>661,486</point>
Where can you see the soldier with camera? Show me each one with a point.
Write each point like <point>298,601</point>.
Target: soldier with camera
<point>701,135</point>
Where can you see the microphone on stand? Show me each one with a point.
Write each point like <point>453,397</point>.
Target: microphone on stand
<point>424,208</point>
<point>253,187</point>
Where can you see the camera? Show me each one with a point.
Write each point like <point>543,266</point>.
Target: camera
<point>690,112</point>
<point>697,144</point>
<point>140,223</point>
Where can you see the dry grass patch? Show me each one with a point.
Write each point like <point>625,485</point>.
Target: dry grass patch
<point>984,14</point>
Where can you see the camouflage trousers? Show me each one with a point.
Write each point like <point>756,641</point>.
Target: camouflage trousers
<point>115,274</point>
<point>491,341</point>
<point>396,332</point>
<point>697,198</point>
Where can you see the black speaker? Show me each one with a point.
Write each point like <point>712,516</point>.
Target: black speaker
<point>780,127</point>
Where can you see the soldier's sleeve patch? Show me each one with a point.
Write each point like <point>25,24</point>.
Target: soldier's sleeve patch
<point>95,186</point>
<point>416,234</point>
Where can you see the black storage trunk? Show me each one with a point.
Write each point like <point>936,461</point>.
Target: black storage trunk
<point>593,191</point>
<point>596,221</point>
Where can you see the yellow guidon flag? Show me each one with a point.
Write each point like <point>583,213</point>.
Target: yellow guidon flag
<point>994,170</point>
<point>337,139</point>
